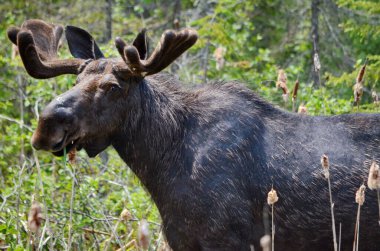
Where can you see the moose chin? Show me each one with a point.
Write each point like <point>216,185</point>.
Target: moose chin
<point>208,156</point>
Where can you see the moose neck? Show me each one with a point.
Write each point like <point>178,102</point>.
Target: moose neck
<point>152,137</point>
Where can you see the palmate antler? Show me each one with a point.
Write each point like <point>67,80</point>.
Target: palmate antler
<point>37,42</point>
<point>171,46</point>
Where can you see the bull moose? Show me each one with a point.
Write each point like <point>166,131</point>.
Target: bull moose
<point>209,155</point>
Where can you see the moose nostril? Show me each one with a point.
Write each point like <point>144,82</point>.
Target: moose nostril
<point>35,142</point>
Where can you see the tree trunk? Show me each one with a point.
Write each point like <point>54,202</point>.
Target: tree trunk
<point>108,33</point>
<point>176,15</point>
<point>315,39</point>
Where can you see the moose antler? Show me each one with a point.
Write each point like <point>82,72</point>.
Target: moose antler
<point>171,46</point>
<point>37,43</point>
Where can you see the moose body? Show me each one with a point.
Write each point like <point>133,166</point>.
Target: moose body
<point>210,161</point>
<point>208,156</point>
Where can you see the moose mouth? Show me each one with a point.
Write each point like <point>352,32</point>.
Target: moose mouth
<point>65,144</point>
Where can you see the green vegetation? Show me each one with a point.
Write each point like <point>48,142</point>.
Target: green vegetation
<point>246,41</point>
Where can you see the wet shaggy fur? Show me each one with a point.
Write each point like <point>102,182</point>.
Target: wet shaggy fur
<point>209,156</point>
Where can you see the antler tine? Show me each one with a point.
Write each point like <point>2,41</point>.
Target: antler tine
<point>165,55</point>
<point>120,45</point>
<point>171,46</point>
<point>38,42</point>
<point>131,56</point>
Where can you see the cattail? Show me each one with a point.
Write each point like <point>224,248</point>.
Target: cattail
<point>35,217</point>
<point>125,215</point>
<point>359,78</point>
<point>359,198</point>
<point>302,109</point>
<point>219,57</point>
<point>317,63</point>
<point>295,90</point>
<point>374,177</point>
<point>143,234</point>
<point>326,166</point>
<point>272,198</point>
<point>281,83</point>
<point>374,182</point>
<point>281,79</point>
<point>358,87</point>
<point>294,94</point>
<point>265,242</point>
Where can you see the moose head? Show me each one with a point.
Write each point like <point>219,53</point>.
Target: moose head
<point>88,115</point>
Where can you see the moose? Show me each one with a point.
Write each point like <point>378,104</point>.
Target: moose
<point>209,155</point>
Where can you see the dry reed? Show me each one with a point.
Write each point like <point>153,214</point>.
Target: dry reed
<point>358,87</point>
<point>272,198</point>
<point>294,94</point>
<point>359,198</point>
<point>35,217</point>
<point>265,242</point>
<point>326,171</point>
<point>281,83</point>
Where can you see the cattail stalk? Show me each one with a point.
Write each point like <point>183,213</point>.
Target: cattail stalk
<point>39,185</point>
<point>378,202</point>
<point>71,202</point>
<point>272,198</point>
<point>359,198</point>
<point>124,216</point>
<point>326,171</point>
<point>340,236</point>
<point>112,235</point>
<point>129,245</point>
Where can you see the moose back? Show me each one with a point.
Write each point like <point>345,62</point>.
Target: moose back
<point>208,156</point>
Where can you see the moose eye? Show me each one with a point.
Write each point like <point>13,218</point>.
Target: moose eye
<point>113,88</point>
<point>110,87</point>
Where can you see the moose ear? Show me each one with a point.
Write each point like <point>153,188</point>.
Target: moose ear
<point>141,44</point>
<point>82,44</point>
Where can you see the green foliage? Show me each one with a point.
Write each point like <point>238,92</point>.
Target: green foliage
<point>256,38</point>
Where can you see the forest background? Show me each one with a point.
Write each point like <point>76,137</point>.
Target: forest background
<point>98,203</point>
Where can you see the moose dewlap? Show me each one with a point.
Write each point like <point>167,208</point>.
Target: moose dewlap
<point>207,156</point>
